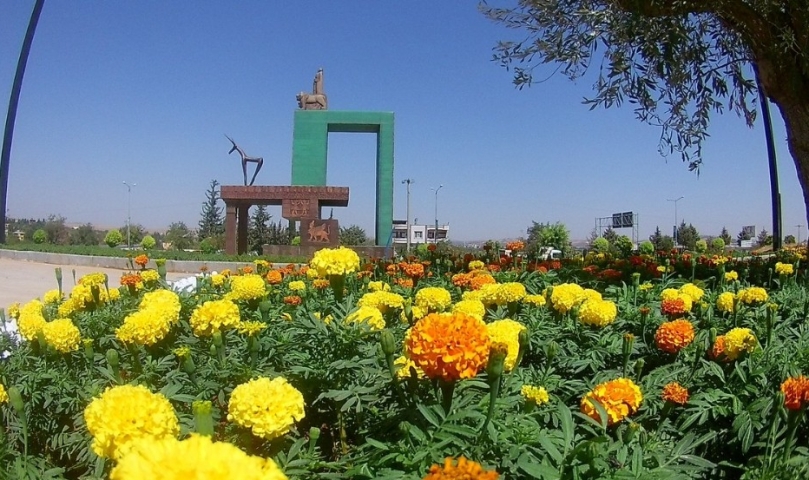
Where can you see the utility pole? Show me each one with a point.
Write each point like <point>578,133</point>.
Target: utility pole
<point>676,227</point>
<point>799,233</point>
<point>774,191</point>
<point>129,214</point>
<point>408,181</point>
<point>435,232</point>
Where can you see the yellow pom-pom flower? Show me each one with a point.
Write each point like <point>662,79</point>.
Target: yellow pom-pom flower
<point>434,299</point>
<point>507,332</point>
<point>31,320</point>
<point>403,368</point>
<point>474,308</point>
<point>382,300</point>
<point>598,313</point>
<point>370,315</point>
<point>335,261</point>
<point>509,292</point>
<point>162,302</point>
<point>753,296</point>
<point>214,316</point>
<point>297,286</point>
<point>3,394</point>
<point>247,287</point>
<point>144,327</point>
<point>535,300</point>
<point>460,469</point>
<point>52,296</point>
<point>566,296</point>
<point>537,395</point>
<point>731,276</point>
<point>619,397</point>
<point>149,276</point>
<point>62,335</point>
<point>725,302</point>
<point>738,341</point>
<point>784,268</point>
<point>196,457</point>
<point>693,291</point>
<point>127,413</point>
<point>269,408</point>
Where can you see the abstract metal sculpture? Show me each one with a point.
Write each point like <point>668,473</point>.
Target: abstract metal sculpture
<point>246,158</point>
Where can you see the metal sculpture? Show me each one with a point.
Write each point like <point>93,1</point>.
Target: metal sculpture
<point>245,159</point>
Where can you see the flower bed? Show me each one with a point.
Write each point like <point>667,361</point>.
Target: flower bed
<point>442,367</point>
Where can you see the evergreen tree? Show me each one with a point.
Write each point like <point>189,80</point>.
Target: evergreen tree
<point>763,238</point>
<point>789,239</point>
<point>212,223</point>
<point>611,235</point>
<point>687,236</point>
<point>258,232</point>
<point>657,239</point>
<point>743,236</point>
<point>353,235</point>
<point>725,236</point>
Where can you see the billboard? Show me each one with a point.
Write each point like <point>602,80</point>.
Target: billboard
<point>623,220</point>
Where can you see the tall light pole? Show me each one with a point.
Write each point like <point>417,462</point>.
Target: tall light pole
<point>676,229</point>
<point>799,233</point>
<point>435,232</point>
<point>408,181</point>
<point>129,214</point>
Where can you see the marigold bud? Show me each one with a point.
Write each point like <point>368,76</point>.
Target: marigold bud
<point>497,360</point>
<point>112,358</point>
<point>388,342</point>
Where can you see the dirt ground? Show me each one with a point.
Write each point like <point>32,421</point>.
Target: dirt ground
<point>21,281</point>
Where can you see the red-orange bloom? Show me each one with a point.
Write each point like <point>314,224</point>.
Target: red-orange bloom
<point>461,279</point>
<point>515,246</point>
<point>246,270</point>
<point>141,260</point>
<point>461,469</point>
<point>675,393</point>
<point>274,277</point>
<point>479,280</point>
<point>404,282</point>
<point>673,306</point>
<point>412,270</point>
<point>320,283</point>
<point>130,279</point>
<point>796,392</point>
<point>431,247</point>
<point>671,337</point>
<point>718,349</point>
<point>292,300</point>
<point>449,347</point>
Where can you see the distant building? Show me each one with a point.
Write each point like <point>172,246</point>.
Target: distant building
<point>418,233</point>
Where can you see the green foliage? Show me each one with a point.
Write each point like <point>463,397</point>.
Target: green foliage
<point>113,238</point>
<point>148,242</point>
<point>258,232</point>
<point>610,235</point>
<point>789,240</point>
<point>687,236</point>
<point>40,236</point>
<point>701,246</point>
<point>601,245</point>
<point>84,235</point>
<point>554,235</point>
<point>296,240</point>
<point>718,244</point>
<point>135,233</point>
<point>725,236</point>
<point>646,247</point>
<point>353,235</point>
<point>623,245</point>
<point>56,230</point>
<point>763,238</point>
<point>208,245</point>
<point>180,236</point>
<point>212,222</point>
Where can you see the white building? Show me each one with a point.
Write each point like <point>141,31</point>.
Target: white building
<point>418,233</point>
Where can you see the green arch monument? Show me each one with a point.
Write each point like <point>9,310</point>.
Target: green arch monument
<point>310,142</point>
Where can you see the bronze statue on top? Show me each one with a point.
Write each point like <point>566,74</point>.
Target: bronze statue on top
<point>245,159</point>
<point>316,100</point>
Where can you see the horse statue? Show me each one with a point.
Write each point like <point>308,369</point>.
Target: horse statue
<point>317,100</point>
<point>245,159</point>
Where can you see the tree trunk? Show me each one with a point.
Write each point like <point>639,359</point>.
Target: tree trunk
<point>796,119</point>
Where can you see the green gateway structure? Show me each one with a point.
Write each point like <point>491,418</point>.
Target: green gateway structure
<point>310,144</point>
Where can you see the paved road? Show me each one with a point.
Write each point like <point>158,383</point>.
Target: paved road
<point>21,281</point>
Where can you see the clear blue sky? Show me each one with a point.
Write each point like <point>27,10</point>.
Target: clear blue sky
<point>144,91</point>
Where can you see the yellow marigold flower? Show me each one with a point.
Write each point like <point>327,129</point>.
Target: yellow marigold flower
<point>217,279</point>
<point>52,296</point>
<point>14,310</point>
<point>250,328</point>
<point>796,392</point>
<point>127,413</point>
<point>538,395</point>
<point>384,301</point>
<point>312,274</point>
<point>434,299</point>
<point>335,261</point>
<point>535,300</point>
<point>247,287</point>
<point>566,296</point>
<point>675,393</point>
<point>476,265</point>
<point>507,332</point>
<point>753,296</point>
<point>67,308</point>
<point>403,366</point>
<point>297,286</point>
<point>450,347</point>
<point>739,340</point>
<point>93,279</point>
<point>645,286</point>
<point>731,276</point>
<point>472,295</point>
<point>144,327</point>
<point>261,263</point>
<point>3,394</point>
<point>320,283</point>
<point>590,294</point>
<point>31,321</point>
<point>669,294</point>
<point>269,408</point>
<point>196,457</point>
<point>474,308</point>
<point>693,291</point>
<point>509,292</point>
<point>166,302</point>
<point>182,352</point>
<point>214,316</point>
<point>150,276</point>
<point>460,469</point>
<point>725,302</point>
<point>599,313</point>
<point>370,315</point>
<point>62,335</point>
<point>784,268</point>
<point>671,337</point>
<point>378,286</point>
<point>317,315</point>
<point>619,397</point>
<point>490,294</point>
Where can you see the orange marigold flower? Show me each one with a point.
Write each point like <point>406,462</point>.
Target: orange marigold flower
<point>130,279</point>
<point>515,246</point>
<point>493,267</point>
<point>675,393</point>
<point>450,347</point>
<point>619,397</point>
<point>718,349</point>
<point>412,270</point>
<point>478,281</point>
<point>460,469</point>
<point>404,282</point>
<point>292,300</point>
<point>461,279</point>
<point>392,269</point>
<point>796,392</point>
<point>320,283</point>
<point>671,337</point>
<point>673,306</point>
<point>274,277</point>
<point>141,260</point>
<point>246,270</point>
<point>431,247</point>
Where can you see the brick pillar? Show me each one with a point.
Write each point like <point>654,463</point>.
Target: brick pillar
<point>230,229</point>
<point>241,235</point>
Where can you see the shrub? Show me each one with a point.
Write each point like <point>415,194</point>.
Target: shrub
<point>701,246</point>
<point>113,238</point>
<point>296,240</point>
<point>624,245</point>
<point>601,245</point>
<point>718,244</point>
<point>208,245</point>
<point>40,236</point>
<point>647,247</point>
<point>148,242</point>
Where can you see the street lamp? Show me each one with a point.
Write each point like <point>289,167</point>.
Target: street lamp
<point>129,214</point>
<point>435,232</point>
<point>676,230</point>
<point>408,181</point>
